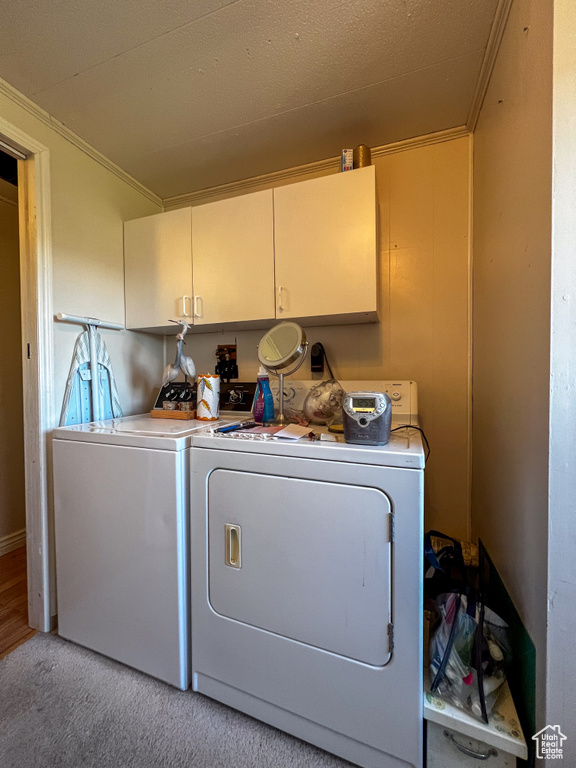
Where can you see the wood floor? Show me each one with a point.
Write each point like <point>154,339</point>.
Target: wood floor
<point>14,629</point>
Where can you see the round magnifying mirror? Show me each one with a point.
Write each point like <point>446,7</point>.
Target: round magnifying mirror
<point>282,345</point>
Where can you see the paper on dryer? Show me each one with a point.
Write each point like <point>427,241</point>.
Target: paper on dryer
<point>260,430</point>
<point>293,432</point>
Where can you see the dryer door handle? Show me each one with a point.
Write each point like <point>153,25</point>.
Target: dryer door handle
<point>233,545</point>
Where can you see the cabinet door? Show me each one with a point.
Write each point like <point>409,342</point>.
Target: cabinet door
<point>158,269</point>
<point>325,246</point>
<point>233,257</point>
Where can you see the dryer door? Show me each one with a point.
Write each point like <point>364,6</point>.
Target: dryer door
<point>305,559</point>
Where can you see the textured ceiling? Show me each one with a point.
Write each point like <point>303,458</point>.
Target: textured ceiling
<point>187,94</point>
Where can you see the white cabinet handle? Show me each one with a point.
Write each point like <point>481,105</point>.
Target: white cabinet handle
<point>198,301</point>
<point>280,305</point>
<point>184,300</point>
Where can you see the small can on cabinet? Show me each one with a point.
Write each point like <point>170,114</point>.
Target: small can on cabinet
<point>362,156</point>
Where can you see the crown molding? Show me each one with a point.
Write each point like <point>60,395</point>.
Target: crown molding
<point>419,141</point>
<point>234,187</point>
<point>490,54</point>
<point>329,164</point>
<point>25,103</point>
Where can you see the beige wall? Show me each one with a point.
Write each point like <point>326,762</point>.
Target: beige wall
<point>12,507</point>
<point>424,331</point>
<point>512,208</point>
<point>89,205</point>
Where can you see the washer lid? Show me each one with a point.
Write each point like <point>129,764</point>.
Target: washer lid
<point>139,431</point>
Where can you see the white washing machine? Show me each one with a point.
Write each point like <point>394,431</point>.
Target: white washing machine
<point>307,585</point>
<point>121,507</point>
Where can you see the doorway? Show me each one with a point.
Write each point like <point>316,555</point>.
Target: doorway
<point>14,622</point>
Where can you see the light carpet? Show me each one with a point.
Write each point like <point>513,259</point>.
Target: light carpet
<point>62,706</point>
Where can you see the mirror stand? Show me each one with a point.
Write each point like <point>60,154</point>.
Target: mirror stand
<point>282,346</point>
<point>281,418</point>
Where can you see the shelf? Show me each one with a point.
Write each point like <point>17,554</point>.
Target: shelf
<point>503,730</point>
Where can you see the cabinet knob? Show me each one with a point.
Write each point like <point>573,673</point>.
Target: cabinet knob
<point>198,306</point>
<point>185,299</point>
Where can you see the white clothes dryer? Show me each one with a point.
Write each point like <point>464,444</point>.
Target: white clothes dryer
<point>307,586</point>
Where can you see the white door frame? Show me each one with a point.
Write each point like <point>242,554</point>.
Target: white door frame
<point>37,364</point>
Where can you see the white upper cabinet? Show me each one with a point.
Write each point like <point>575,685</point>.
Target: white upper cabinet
<point>325,247</point>
<point>305,251</point>
<point>158,269</point>
<point>233,258</point>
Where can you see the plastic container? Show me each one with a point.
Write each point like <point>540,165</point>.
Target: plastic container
<point>347,160</point>
<point>208,397</point>
<point>264,402</point>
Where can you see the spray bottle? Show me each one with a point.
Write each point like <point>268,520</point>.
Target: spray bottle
<point>264,402</point>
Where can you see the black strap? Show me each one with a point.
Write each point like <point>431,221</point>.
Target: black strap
<point>432,557</point>
<point>479,641</point>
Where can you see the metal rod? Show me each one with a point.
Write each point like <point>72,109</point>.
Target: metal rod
<point>281,419</point>
<point>94,383</point>
<point>89,321</point>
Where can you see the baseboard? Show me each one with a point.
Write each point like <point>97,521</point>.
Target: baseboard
<point>12,541</point>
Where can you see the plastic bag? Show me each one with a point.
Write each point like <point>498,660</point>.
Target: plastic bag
<point>323,403</point>
<point>469,651</point>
